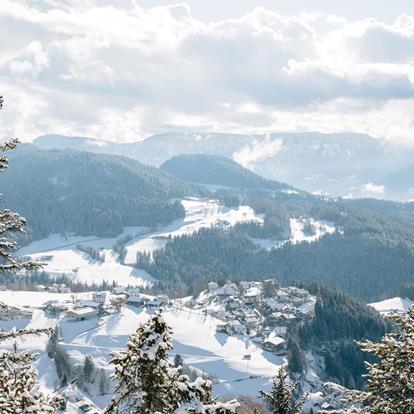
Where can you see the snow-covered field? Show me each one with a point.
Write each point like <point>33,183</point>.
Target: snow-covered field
<point>392,305</point>
<point>62,256</point>
<point>298,235</point>
<point>223,357</point>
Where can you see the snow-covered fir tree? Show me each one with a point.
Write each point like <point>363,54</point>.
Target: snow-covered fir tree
<point>19,385</point>
<point>148,383</point>
<point>282,398</point>
<point>390,380</point>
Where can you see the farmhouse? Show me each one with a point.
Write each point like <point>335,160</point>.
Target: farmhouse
<point>135,301</point>
<point>81,314</point>
<point>274,343</point>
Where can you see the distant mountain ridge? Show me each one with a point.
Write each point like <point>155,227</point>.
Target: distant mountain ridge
<point>218,170</point>
<point>340,164</point>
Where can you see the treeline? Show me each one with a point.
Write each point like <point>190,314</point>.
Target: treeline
<point>362,265</point>
<point>29,282</point>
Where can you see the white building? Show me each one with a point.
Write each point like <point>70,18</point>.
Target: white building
<point>99,297</point>
<point>81,314</point>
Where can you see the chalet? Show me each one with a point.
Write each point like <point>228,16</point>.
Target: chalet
<point>118,290</point>
<point>274,343</point>
<point>99,297</point>
<point>252,295</point>
<point>81,314</point>
<point>228,289</point>
<point>137,301</point>
<point>252,320</point>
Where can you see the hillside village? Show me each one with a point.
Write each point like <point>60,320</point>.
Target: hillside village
<point>263,311</point>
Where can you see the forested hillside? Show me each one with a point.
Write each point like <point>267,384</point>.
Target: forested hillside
<point>88,194</point>
<point>369,256</point>
<point>215,169</point>
<point>339,321</point>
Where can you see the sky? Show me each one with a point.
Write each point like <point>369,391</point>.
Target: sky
<point>123,70</point>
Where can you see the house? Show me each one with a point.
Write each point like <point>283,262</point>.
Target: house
<point>99,297</point>
<point>81,314</point>
<point>252,295</point>
<point>84,303</point>
<point>118,290</point>
<point>55,308</point>
<point>40,288</point>
<point>11,312</point>
<point>137,301</point>
<point>64,289</point>
<point>274,343</point>
<point>212,287</point>
<point>252,320</point>
<point>228,289</point>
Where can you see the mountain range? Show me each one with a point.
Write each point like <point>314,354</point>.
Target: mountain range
<point>345,164</point>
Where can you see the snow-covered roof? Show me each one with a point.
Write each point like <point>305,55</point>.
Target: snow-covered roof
<point>252,292</point>
<point>274,340</point>
<point>81,311</point>
<point>136,299</point>
<point>88,303</point>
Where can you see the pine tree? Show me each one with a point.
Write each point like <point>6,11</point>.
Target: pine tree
<point>296,359</point>
<point>88,369</point>
<point>103,382</point>
<point>10,222</point>
<point>178,361</point>
<point>390,381</point>
<point>19,385</point>
<point>281,399</point>
<point>147,382</point>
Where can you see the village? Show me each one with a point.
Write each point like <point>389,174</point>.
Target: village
<point>263,311</point>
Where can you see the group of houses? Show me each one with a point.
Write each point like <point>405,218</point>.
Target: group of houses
<point>8,312</point>
<point>55,288</point>
<point>134,297</point>
<point>262,310</point>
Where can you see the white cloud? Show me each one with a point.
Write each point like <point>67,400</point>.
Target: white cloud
<point>372,190</point>
<point>117,71</point>
<point>258,151</point>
